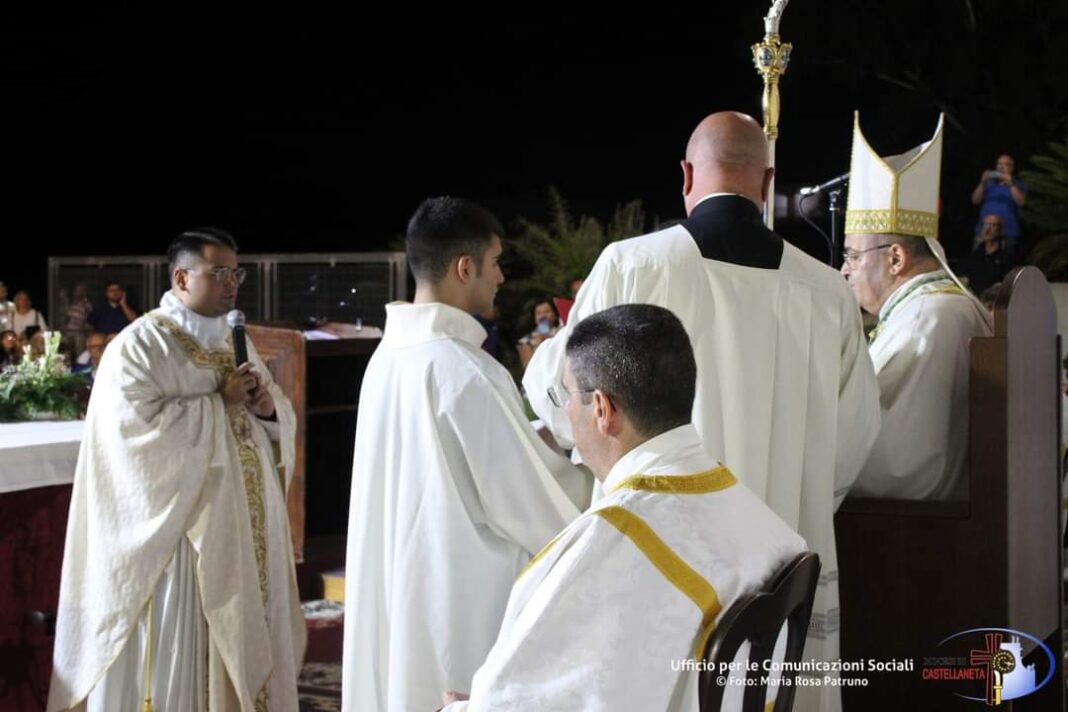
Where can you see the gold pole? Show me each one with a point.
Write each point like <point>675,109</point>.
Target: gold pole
<point>771,58</point>
<point>148,662</point>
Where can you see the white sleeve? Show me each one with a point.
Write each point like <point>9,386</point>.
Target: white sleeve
<point>509,465</point>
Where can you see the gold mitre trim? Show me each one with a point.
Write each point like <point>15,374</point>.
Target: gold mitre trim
<point>892,219</point>
<point>897,222</point>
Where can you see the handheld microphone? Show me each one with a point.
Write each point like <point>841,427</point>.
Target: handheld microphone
<point>236,319</point>
<point>832,184</point>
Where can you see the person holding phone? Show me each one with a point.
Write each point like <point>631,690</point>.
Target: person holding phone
<point>546,324</point>
<point>1000,193</point>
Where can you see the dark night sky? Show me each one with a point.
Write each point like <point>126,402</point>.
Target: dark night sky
<point>306,131</point>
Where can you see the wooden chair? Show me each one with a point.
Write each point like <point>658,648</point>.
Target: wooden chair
<point>758,618</point>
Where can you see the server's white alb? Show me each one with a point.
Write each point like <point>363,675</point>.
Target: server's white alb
<point>452,493</point>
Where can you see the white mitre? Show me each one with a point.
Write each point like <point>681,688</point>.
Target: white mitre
<point>897,194</point>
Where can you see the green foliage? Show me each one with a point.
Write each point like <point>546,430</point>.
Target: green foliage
<point>40,386</point>
<point>545,259</point>
<point>1051,256</point>
<point>1046,209</point>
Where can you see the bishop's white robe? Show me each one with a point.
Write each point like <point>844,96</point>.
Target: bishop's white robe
<point>786,393</point>
<point>452,493</point>
<point>921,356</point>
<point>604,616</point>
<point>178,501</point>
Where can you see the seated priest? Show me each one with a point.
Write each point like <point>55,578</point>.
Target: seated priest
<point>603,615</point>
<point>926,318</point>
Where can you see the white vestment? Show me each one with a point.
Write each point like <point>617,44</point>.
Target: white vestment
<point>178,506</point>
<point>604,617</point>
<point>786,393</point>
<point>452,493</point>
<point>921,356</point>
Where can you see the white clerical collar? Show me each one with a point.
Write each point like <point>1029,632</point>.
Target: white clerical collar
<point>905,287</point>
<point>210,331</point>
<point>409,324</point>
<point>674,452</point>
<point>717,195</point>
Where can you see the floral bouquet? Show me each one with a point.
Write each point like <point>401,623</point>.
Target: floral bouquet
<point>41,388</point>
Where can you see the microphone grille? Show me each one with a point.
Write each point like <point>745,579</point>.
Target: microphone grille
<point>235,317</point>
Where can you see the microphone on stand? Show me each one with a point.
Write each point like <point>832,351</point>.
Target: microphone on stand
<point>832,184</point>
<point>236,319</point>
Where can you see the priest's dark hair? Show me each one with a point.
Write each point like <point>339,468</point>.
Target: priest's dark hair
<point>193,242</point>
<point>444,229</point>
<point>641,357</point>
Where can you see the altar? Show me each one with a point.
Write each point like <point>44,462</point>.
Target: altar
<point>37,461</point>
<point>38,454</point>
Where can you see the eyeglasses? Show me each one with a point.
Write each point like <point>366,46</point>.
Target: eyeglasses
<point>560,395</point>
<point>851,256</point>
<point>224,275</point>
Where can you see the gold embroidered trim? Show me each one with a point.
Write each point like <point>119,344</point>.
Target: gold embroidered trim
<point>947,289</point>
<point>252,473</point>
<point>667,562</point>
<point>899,221</point>
<point>222,360</point>
<point>702,483</point>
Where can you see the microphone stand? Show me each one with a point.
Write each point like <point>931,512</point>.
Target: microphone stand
<point>832,207</point>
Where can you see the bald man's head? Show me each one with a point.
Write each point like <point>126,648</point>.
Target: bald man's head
<point>729,138</point>
<point>727,153</point>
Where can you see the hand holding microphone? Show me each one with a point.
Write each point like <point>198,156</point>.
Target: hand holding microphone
<point>236,319</point>
<point>238,386</point>
<point>257,397</point>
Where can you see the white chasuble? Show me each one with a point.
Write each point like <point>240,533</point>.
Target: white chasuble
<point>179,509</point>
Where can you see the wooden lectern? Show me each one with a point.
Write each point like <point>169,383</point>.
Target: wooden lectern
<point>322,379</point>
